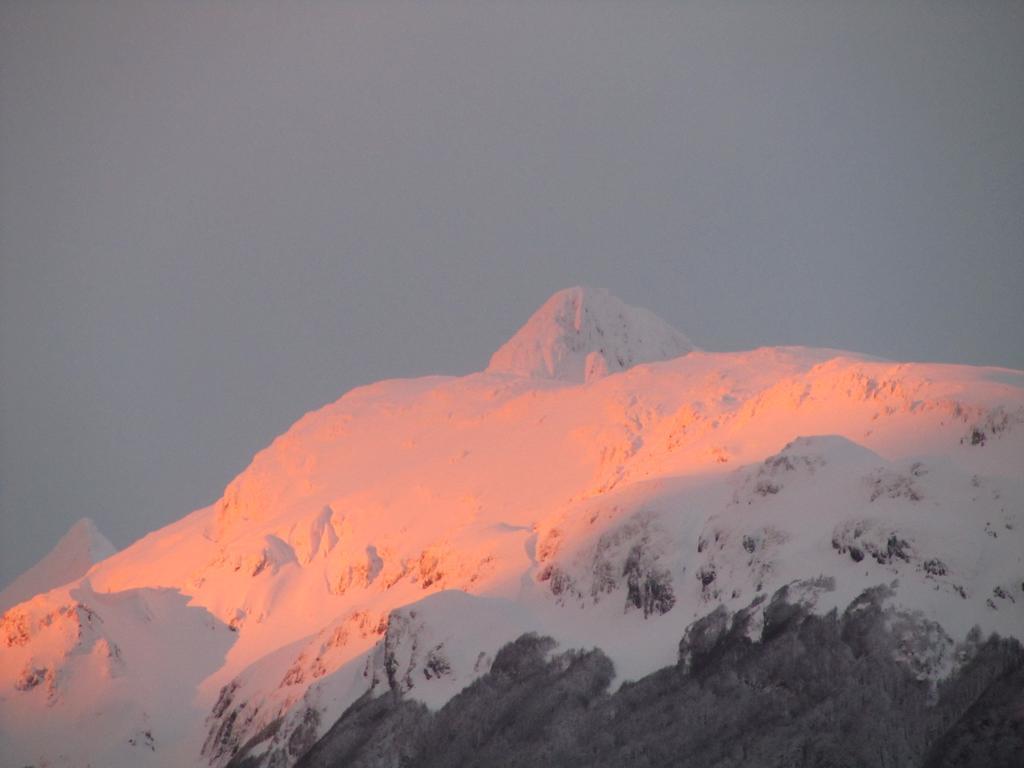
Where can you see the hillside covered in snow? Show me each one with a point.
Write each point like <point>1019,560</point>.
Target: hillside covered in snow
<point>77,551</point>
<point>605,518</point>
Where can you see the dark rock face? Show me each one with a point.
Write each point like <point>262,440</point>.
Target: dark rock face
<point>838,690</point>
<point>648,588</point>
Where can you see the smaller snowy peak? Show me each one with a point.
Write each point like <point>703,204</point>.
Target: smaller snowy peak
<point>582,334</point>
<point>77,551</point>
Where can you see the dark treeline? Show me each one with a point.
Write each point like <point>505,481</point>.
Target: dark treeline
<point>842,691</point>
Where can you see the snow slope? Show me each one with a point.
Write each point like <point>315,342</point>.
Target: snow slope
<point>397,538</point>
<point>77,551</point>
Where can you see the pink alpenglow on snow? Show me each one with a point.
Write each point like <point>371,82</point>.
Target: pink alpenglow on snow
<point>77,551</point>
<point>603,482</point>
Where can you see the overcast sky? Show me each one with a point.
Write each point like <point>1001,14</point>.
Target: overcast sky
<point>216,216</point>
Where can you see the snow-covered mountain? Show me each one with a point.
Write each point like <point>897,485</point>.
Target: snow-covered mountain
<point>77,551</point>
<point>603,483</point>
<point>583,333</point>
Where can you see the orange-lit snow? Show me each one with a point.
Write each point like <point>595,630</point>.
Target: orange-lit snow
<point>77,551</point>
<point>498,485</point>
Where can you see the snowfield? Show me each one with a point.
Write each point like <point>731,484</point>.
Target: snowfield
<point>603,482</point>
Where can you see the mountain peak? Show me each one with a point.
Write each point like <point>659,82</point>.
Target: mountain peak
<point>583,333</point>
<point>77,551</point>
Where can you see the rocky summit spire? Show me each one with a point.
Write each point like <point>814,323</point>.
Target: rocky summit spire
<point>581,334</point>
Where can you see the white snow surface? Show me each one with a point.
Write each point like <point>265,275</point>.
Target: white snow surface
<point>398,537</point>
<point>77,551</point>
<point>583,333</point>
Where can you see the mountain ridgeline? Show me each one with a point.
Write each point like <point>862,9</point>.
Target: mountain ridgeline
<point>608,548</point>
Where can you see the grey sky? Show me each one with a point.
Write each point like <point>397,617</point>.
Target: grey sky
<point>217,216</point>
